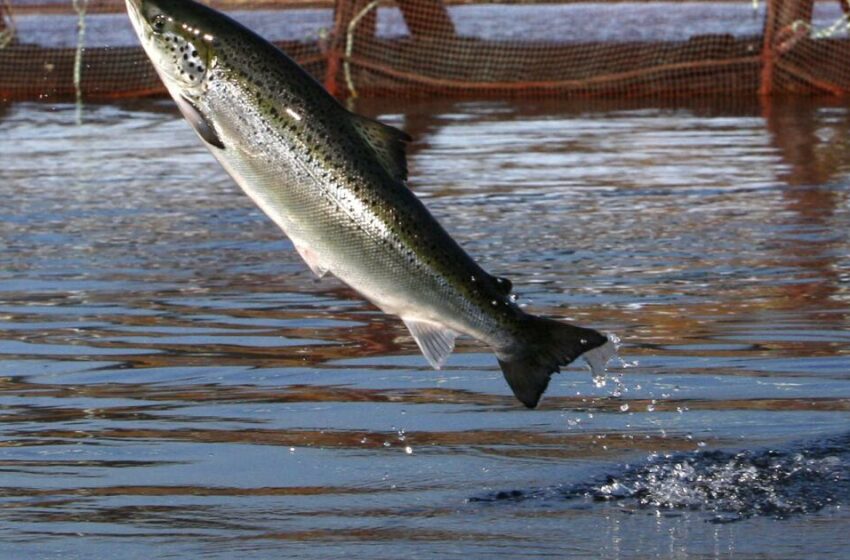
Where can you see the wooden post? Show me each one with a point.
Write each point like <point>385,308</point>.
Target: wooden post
<point>344,12</point>
<point>779,22</point>
<point>427,18</point>
<point>789,11</point>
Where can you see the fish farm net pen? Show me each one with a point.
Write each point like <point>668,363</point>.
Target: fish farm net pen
<point>437,48</point>
<point>79,7</point>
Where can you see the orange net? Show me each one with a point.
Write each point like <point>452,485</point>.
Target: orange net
<point>61,48</point>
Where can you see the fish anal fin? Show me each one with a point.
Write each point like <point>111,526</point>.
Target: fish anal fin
<point>311,258</point>
<point>199,122</point>
<point>435,340</point>
<point>387,142</point>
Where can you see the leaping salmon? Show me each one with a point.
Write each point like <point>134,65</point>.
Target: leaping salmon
<point>335,183</point>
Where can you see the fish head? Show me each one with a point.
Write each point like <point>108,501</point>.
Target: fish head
<point>179,38</point>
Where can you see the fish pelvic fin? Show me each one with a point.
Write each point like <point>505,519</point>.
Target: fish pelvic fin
<point>435,341</point>
<point>388,143</point>
<point>546,345</point>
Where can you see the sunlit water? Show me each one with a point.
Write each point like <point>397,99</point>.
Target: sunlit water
<point>175,383</point>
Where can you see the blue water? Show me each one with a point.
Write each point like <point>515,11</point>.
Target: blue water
<point>175,383</point>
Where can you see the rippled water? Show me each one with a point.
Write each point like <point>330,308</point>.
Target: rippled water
<point>175,383</point>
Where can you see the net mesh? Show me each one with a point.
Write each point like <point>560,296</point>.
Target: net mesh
<point>434,47</point>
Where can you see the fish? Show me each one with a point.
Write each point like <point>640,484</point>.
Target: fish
<point>336,183</point>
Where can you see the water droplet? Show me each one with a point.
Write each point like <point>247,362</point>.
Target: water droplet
<point>408,450</point>
<point>513,298</point>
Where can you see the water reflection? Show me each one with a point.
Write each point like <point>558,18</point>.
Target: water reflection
<point>172,372</point>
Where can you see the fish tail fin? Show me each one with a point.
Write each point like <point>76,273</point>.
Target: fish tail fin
<point>546,345</point>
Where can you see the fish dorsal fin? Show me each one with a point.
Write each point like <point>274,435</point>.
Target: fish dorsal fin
<point>199,122</point>
<point>387,142</point>
<point>503,285</point>
<point>435,341</point>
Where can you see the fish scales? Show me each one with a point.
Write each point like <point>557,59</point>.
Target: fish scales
<point>348,202</point>
<point>335,183</point>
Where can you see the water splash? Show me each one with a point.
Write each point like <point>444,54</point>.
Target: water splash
<point>730,486</point>
<point>598,359</point>
<point>736,485</point>
<point>605,360</point>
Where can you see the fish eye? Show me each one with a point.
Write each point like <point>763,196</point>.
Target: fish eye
<point>158,23</point>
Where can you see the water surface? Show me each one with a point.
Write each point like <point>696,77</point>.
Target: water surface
<point>174,382</point>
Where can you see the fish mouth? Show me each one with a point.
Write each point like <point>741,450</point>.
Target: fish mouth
<point>134,11</point>
<point>134,8</point>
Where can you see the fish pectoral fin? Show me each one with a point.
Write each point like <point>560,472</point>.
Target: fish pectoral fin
<point>199,122</point>
<point>311,258</point>
<point>435,340</point>
<point>387,142</point>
